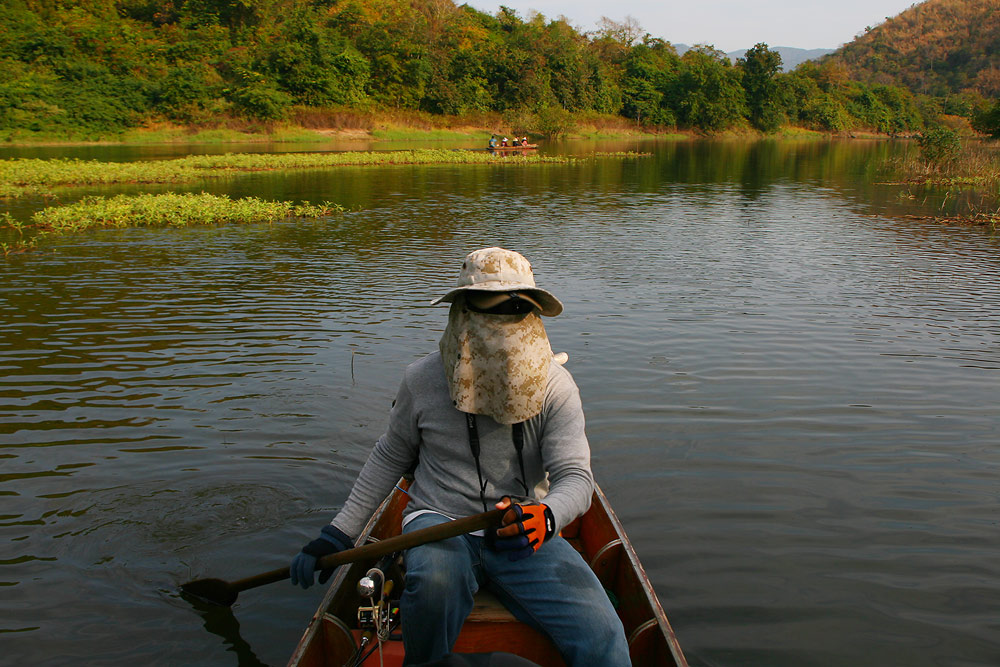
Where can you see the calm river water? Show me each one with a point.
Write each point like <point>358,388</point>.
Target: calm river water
<point>792,398</point>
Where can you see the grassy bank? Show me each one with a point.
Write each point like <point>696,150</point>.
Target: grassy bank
<point>32,176</point>
<point>163,210</point>
<point>972,163</point>
<point>318,125</point>
<point>943,160</point>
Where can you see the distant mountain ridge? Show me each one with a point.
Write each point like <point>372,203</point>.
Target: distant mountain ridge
<point>791,57</point>
<point>936,47</point>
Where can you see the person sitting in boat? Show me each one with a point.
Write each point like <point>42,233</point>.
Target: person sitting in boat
<point>517,142</point>
<point>490,419</point>
<point>504,142</point>
<point>493,141</point>
<point>524,141</point>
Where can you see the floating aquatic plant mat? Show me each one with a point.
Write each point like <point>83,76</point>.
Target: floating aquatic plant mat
<point>33,176</point>
<point>170,210</point>
<point>162,210</point>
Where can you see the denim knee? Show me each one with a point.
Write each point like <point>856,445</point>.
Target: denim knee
<point>436,573</point>
<point>437,567</point>
<point>440,584</point>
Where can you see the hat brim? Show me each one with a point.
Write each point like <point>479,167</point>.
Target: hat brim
<point>547,303</point>
<point>487,300</point>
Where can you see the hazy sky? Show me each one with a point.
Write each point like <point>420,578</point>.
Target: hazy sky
<point>727,24</point>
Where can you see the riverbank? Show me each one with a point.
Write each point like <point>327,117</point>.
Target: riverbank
<point>308,125</point>
<point>318,125</point>
<point>240,133</point>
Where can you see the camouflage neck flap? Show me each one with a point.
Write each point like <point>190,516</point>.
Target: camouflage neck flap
<point>496,365</point>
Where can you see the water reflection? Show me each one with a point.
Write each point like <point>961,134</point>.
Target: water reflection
<point>221,622</point>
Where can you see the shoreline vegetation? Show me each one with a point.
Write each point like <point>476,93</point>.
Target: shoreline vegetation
<point>33,176</point>
<point>400,126</point>
<point>944,160</point>
<point>347,125</point>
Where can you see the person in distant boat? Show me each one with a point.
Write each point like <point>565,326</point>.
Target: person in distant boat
<point>524,141</point>
<point>504,142</point>
<point>490,419</point>
<point>517,142</point>
<point>493,141</point>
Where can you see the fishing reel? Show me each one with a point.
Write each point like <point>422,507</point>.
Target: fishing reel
<point>378,615</point>
<point>381,615</point>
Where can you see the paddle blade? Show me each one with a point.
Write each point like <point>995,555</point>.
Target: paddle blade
<point>213,591</point>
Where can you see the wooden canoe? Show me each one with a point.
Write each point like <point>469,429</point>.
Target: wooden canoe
<point>333,636</point>
<point>504,149</point>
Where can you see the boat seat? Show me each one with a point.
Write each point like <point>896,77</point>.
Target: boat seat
<point>487,608</point>
<point>490,624</point>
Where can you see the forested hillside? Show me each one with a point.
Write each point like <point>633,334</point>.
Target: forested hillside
<point>89,68</point>
<point>937,47</point>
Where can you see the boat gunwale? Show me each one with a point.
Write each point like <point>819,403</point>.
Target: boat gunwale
<point>659,615</point>
<point>315,625</point>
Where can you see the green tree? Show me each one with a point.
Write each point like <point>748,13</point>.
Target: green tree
<point>708,90</point>
<point>987,121</point>
<point>183,93</point>
<point>651,70</point>
<point>259,98</point>
<point>813,97</point>
<point>760,67</point>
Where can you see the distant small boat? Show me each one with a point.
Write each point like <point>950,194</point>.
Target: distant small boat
<point>507,149</point>
<point>343,629</point>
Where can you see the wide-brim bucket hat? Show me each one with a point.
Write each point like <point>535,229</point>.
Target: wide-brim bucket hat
<point>501,270</point>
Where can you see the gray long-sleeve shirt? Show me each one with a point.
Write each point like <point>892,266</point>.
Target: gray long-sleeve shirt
<point>424,426</point>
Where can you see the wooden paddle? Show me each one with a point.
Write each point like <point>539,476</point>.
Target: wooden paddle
<point>217,591</point>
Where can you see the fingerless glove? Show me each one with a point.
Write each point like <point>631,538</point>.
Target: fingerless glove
<point>524,528</point>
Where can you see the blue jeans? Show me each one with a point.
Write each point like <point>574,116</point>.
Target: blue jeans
<point>552,590</point>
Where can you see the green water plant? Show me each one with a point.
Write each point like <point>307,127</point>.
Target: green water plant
<point>35,176</point>
<point>17,241</point>
<point>170,210</point>
<point>10,222</point>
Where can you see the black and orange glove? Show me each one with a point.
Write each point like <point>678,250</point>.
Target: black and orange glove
<point>523,528</point>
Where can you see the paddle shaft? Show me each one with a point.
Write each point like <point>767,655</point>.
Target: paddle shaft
<point>382,548</point>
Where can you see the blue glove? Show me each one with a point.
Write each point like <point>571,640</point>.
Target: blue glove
<point>303,568</point>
